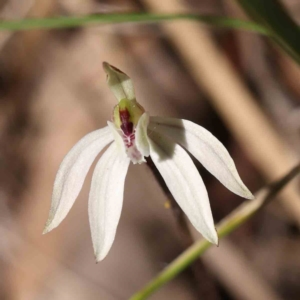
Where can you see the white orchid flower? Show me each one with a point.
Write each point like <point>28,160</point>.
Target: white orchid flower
<point>132,136</point>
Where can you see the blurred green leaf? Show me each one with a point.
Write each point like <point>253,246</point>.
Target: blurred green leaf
<point>272,15</point>
<point>71,21</point>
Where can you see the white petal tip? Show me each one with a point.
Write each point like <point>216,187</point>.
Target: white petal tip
<point>99,257</point>
<point>248,195</point>
<point>46,230</point>
<point>217,242</point>
<point>49,227</point>
<point>214,238</point>
<point>243,192</point>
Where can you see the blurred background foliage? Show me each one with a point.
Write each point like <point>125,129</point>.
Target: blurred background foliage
<point>241,86</point>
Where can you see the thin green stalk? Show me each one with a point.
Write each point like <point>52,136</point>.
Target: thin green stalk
<point>272,14</point>
<point>76,21</point>
<point>233,221</point>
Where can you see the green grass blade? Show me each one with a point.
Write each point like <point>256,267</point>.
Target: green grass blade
<point>76,21</point>
<point>272,15</point>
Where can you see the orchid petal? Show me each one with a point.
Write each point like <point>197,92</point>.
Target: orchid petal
<point>106,199</point>
<point>72,172</point>
<point>119,83</point>
<point>206,148</point>
<point>185,184</point>
<point>141,135</point>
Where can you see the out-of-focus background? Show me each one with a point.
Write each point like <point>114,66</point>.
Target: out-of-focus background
<point>53,91</point>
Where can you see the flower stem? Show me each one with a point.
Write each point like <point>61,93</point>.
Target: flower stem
<point>198,271</point>
<point>234,220</point>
